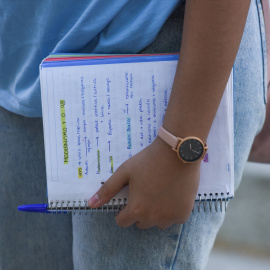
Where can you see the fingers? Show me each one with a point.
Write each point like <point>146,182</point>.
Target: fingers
<point>125,218</point>
<point>128,217</point>
<point>111,187</point>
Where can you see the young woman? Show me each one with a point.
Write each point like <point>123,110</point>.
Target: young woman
<point>157,229</point>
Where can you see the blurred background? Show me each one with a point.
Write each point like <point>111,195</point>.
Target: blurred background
<point>244,239</point>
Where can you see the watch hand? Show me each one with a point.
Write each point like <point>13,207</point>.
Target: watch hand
<point>195,151</point>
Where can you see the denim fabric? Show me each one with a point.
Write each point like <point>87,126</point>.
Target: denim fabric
<point>28,240</point>
<point>37,241</point>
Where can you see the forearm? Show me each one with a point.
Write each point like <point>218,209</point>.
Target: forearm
<point>211,37</point>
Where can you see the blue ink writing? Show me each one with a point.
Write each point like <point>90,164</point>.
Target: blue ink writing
<point>110,127</point>
<point>96,126</point>
<point>86,168</point>
<point>154,85</point>
<point>127,85</point>
<point>129,143</point>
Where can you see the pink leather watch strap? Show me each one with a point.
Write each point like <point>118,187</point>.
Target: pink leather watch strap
<point>168,138</point>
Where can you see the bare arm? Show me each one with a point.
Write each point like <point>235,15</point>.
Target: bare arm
<point>162,190</point>
<point>211,36</point>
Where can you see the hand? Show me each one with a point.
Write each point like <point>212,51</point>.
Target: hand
<point>162,189</point>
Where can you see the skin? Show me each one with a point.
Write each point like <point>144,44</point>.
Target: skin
<point>162,189</point>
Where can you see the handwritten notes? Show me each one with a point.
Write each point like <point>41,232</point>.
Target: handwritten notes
<point>97,116</point>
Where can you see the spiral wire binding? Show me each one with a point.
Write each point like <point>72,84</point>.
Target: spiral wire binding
<point>79,207</point>
<point>212,202</point>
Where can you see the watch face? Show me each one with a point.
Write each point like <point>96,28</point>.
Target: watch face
<point>191,150</point>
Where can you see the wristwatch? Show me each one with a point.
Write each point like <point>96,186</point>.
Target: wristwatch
<point>189,149</point>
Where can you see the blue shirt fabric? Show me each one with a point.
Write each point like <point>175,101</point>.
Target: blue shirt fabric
<point>30,30</point>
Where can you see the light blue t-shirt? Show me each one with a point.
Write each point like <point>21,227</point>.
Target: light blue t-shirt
<point>31,29</point>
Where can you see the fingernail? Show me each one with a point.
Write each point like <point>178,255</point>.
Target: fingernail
<point>92,201</point>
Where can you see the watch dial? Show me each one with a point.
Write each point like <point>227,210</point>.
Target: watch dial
<point>191,150</point>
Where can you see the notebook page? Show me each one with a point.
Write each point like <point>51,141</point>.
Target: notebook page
<point>97,116</point>
<point>219,167</point>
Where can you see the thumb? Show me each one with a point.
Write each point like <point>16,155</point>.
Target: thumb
<point>111,187</point>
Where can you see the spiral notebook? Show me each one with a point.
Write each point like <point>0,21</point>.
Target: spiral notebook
<point>99,110</point>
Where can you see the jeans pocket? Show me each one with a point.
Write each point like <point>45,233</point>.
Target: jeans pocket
<point>264,47</point>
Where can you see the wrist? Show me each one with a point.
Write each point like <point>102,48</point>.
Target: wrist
<point>190,149</point>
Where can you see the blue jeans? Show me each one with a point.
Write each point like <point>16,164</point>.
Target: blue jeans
<point>38,241</point>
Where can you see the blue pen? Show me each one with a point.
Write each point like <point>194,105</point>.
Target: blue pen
<point>44,208</point>
<point>39,208</point>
